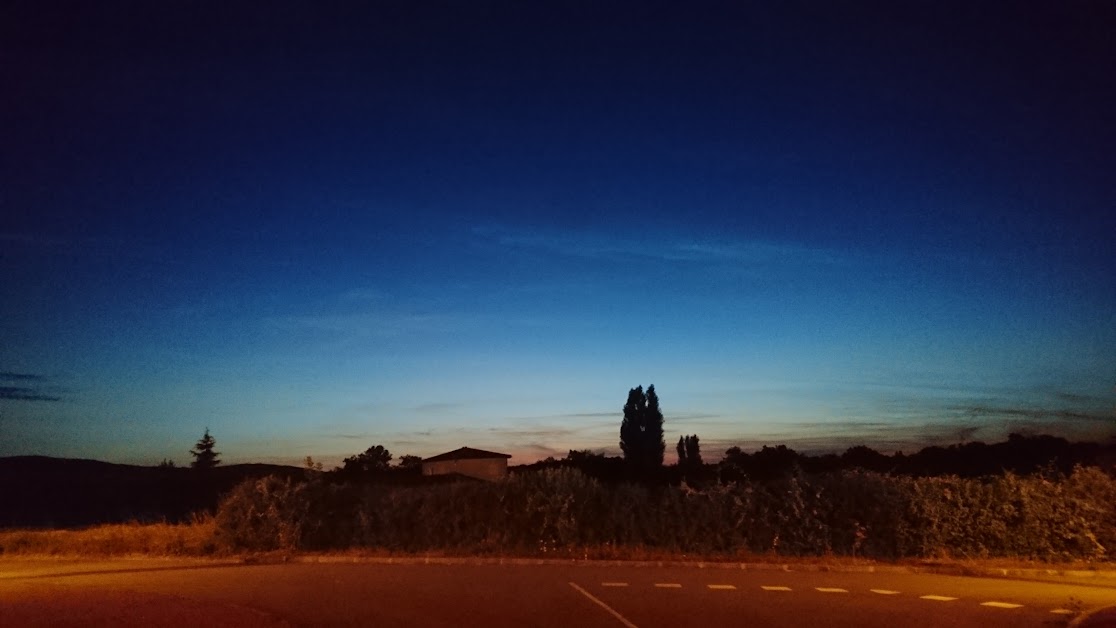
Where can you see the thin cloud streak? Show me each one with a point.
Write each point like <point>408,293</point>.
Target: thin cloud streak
<point>363,325</point>
<point>20,393</point>
<point>597,246</point>
<point>1056,414</point>
<point>21,377</point>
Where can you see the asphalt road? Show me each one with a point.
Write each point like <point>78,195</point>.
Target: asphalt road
<point>161,593</point>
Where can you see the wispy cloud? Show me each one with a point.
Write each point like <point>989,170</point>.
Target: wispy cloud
<point>349,436</point>
<point>438,407</point>
<point>362,295</point>
<point>364,325</point>
<point>1048,414</point>
<point>1077,398</point>
<point>26,387</point>
<point>37,240</point>
<point>21,377</point>
<point>536,451</point>
<point>671,249</point>
<point>21,393</point>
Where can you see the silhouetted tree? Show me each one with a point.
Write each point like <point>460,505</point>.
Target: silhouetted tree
<point>693,451</point>
<point>204,455</point>
<point>735,455</point>
<point>374,459</point>
<point>733,467</point>
<point>689,451</point>
<point>864,457</point>
<point>641,433</point>
<point>773,462</point>
<point>578,457</point>
<point>596,465</point>
<point>410,463</point>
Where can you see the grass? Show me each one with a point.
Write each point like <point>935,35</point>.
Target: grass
<point>196,539</point>
<point>127,539</point>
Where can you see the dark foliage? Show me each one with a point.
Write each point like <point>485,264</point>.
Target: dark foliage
<point>641,434</point>
<point>563,512</point>
<point>376,460</point>
<point>689,452</point>
<point>1019,454</point>
<point>205,456</point>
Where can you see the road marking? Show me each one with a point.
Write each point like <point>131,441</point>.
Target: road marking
<point>1062,611</point>
<point>623,620</point>
<point>614,584</point>
<point>722,587</point>
<point>938,598</point>
<point>667,585</point>
<point>775,588</point>
<point>884,591</point>
<point>831,590</point>
<point>1001,605</point>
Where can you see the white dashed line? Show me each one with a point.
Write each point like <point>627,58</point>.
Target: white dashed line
<point>884,591</point>
<point>1062,611</point>
<point>1001,605</point>
<point>831,590</point>
<point>614,584</point>
<point>667,585</point>
<point>938,598</point>
<point>775,588</point>
<point>611,611</point>
<point>722,587</point>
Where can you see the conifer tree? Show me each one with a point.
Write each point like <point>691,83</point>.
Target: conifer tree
<point>205,457</point>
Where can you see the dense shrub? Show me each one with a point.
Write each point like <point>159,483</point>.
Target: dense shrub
<point>264,514</point>
<point>563,512</point>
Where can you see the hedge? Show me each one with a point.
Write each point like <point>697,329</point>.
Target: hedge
<point>563,512</point>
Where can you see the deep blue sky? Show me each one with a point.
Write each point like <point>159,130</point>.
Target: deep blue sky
<point>432,225</point>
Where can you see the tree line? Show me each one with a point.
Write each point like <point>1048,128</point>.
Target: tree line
<point>642,446</point>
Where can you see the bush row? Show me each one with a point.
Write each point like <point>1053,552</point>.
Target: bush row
<point>564,512</point>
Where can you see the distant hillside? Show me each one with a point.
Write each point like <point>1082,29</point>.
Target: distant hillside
<point>39,491</point>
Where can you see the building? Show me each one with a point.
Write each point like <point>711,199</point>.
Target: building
<point>474,463</point>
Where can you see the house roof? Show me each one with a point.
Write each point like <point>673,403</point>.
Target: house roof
<point>466,453</point>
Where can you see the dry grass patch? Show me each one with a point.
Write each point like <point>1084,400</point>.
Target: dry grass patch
<point>153,539</point>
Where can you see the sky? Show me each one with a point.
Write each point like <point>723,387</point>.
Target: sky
<point>315,227</point>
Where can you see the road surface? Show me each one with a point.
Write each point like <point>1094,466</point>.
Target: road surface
<point>162,593</point>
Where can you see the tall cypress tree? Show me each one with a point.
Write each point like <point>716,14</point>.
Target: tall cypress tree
<point>641,433</point>
<point>693,451</point>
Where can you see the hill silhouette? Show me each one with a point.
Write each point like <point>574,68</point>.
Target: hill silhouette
<point>41,491</point>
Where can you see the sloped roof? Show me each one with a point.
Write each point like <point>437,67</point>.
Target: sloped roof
<point>466,453</point>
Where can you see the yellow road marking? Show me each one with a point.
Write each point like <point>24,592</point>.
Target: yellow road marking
<point>938,598</point>
<point>614,584</point>
<point>831,590</point>
<point>668,585</point>
<point>884,591</point>
<point>722,587</point>
<point>775,588</point>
